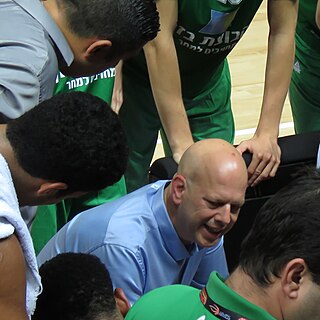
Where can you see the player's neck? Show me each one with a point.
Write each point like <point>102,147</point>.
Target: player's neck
<point>244,285</point>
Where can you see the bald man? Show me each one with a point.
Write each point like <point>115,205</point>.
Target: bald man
<point>167,232</point>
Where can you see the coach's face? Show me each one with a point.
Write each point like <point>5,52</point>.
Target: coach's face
<point>209,205</point>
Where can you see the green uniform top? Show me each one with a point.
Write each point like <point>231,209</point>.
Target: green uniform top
<point>307,14</point>
<point>207,30</point>
<point>100,85</point>
<point>308,36</point>
<point>308,44</point>
<point>184,302</point>
<point>307,29</point>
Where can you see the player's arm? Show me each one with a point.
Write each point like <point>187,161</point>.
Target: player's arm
<point>282,16</point>
<point>164,76</point>
<point>318,14</point>
<point>12,280</point>
<point>117,95</point>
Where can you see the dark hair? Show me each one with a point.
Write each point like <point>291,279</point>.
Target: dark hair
<point>128,24</point>
<point>76,286</point>
<point>286,227</point>
<point>73,138</point>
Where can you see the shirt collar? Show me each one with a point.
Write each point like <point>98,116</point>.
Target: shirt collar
<point>38,12</point>
<point>219,292</point>
<point>169,235</point>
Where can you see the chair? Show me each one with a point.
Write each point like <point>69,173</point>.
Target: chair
<point>298,151</point>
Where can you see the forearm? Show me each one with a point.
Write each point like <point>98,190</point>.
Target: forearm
<point>317,17</point>
<point>166,88</point>
<point>282,17</point>
<point>117,94</point>
<point>280,57</point>
<point>165,80</point>
<point>279,65</point>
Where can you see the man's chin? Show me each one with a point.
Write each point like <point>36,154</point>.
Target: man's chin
<point>204,242</point>
<point>208,238</point>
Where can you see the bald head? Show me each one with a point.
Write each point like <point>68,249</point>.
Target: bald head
<point>211,157</point>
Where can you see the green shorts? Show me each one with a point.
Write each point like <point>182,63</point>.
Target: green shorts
<point>304,87</point>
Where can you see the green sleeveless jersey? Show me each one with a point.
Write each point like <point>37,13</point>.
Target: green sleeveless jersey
<point>308,33</point>
<point>100,85</point>
<point>206,32</point>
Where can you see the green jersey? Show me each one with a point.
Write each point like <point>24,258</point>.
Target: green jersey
<point>308,36</point>
<point>206,32</point>
<point>216,301</point>
<point>307,30</point>
<point>100,85</point>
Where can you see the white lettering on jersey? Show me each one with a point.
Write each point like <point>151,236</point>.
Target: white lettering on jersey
<point>233,2</point>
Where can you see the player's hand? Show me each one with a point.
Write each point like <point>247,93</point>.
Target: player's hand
<point>177,156</point>
<point>117,96</point>
<point>265,158</point>
<point>178,152</point>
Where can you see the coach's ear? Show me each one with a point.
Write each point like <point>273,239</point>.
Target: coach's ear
<point>122,301</point>
<point>178,186</point>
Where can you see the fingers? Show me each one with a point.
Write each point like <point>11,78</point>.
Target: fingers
<point>265,159</point>
<point>262,167</point>
<point>176,157</point>
<point>242,147</point>
<point>116,102</point>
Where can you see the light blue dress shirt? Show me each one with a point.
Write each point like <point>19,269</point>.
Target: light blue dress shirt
<point>134,237</point>
<point>30,42</point>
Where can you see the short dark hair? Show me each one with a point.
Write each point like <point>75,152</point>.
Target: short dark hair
<point>286,227</point>
<point>76,286</point>
<point>73,138</point>
<point>128,24</point>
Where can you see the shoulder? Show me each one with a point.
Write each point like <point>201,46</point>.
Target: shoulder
<point>135,221</point>
<point>13,279</point>
<point>30,45</point>
<point>176,302</point>
<point>125,222</point>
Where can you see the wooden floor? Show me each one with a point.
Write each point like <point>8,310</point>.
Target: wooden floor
<point>247,64</point>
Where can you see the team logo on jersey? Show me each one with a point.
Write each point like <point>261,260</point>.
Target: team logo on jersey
<point>219,22</point>
<point>214,309</point>
<point>296,67</point>
<point>203,296</point>
<point>74,83</point>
